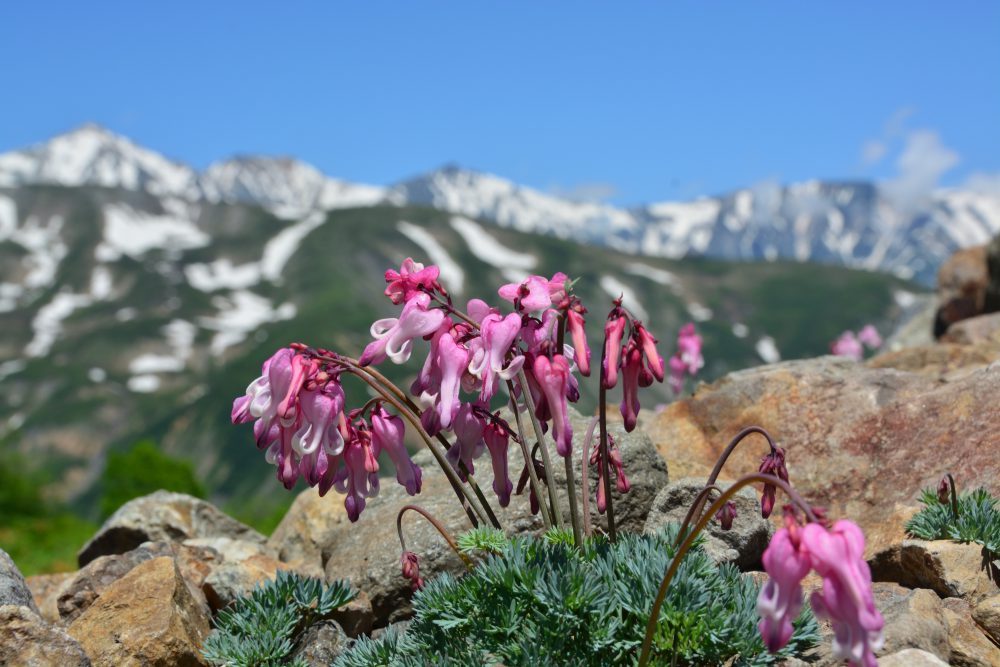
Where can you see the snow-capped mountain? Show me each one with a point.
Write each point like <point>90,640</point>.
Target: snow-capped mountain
<point>852,224</point>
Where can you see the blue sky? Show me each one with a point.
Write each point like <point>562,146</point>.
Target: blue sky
<point>630,101</point>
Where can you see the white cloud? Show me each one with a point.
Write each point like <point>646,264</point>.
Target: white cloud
<point>873,151</point>
<point>984,184</point>
<point>920,165</point>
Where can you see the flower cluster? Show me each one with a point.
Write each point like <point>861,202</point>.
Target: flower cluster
<point>852,345</point>
<point>846,599</point>
<point>297,406</point>
<point>638,360</point>
<point>687,360</point>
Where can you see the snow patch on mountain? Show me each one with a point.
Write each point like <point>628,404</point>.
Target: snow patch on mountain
<point>616,288</point>
<point>280,249</point>
<point>240,314</point>
<point>452,274</point>
<point>514,265</point>
<point>42,239</point>
<point>222,274</point>
<point>47,323</point>
<point>92,155</point>
<point>660,276</point>
<point>131,232</point>
<point>767,350</point>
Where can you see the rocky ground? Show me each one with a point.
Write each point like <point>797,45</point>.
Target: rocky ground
<point>862,439</point>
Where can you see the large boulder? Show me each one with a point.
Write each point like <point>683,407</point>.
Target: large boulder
<point>166,517</point>
<point>743,544</point>
<point>962,283</point>
<point>148,617</point>
<point>13,588</point>
<point>45,589</point>
<point>860,441</point>
<point>950,569</point>
<point>317,534</point>
<point>26,640</point>
<point>237,578</point>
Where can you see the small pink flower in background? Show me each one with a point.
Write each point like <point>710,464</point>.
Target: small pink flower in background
<point>689,348</point>
<point>677,371</point>
<point>848,346</point>
<point>870,337</point>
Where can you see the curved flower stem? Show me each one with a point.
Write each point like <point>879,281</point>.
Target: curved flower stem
<point>954,497</point>
<point>574,511</point>
<point>437,525</point>
<point>698,501</point>
<point>717,470</point>
<point>585,475</point>
<point>449,472</point>
<point>539,438</point>
<point>444,443</point>
<point>452,309</point>
<point>604,469</point>
<point>536,485</point>
<point>675,563</point>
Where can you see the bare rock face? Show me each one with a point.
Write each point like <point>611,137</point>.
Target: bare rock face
<point>962,283</point>
<point>969,646</point>
<point>911,657</point>
<point>146,618</point>
<point>742,545</point>
<point>13,588</point>
<point>85,586</point>
<point>975,330</point>
<point>321,644</point>
<point>317,534</point>
<point>860,441</point>
<point>26,640</point>
<point>950,569</point>
<point>234,579</point>
<point>45,589</point>
<point>987,615</point>
<point>163,517</point>
<point>914,619</point>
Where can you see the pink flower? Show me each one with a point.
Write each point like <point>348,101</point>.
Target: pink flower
<point>677,371</point>
<point>468,429</point>
<point>394,337</point>
<point>498,334</point>
<point>453,360</point>
<point>869,337</point>
<point>846,600</point>
<point>689,348</point>
<point>653,359</point>
<point>408,281</point>
<point>615,460</point>
<point>497,439</point>
<point>631,367</point>
<point>318,439</point>
<point>536,292</point>
<point>359,477</point>
<point>773,463</point>
<point>387,435</point>
<point>847,346</point>
<point>725,515</point>
<point>614,329</point>
<point>411,569</point>
<point>581,351</point>
<point>553,378</point>
<point>780,599</point>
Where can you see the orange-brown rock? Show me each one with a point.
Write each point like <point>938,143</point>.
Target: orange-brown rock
<point>861,441</point>
<point>146,618</point>
<point>26,640</point>
<point>969,646</point>
<point>980,329</point>
<point>940,361</point>
<point>234,579</point>
<point>950,569</point>
<point>962,283</point>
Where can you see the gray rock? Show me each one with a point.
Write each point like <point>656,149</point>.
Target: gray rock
<point>28,641</point>
<point>234,579</point>
<point>742,545</point>
<point>163,516</point>
<point>368,553</point>
<point>911,657</point>
<point>13,588</point>
<point>950,569</point>
<point>232,549</point>
<point>321,644</point>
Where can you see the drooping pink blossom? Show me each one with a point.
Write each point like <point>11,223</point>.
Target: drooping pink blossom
<point>575,325</point>
<point>726,514</point>
<point>469,444</point>
<point>870,337</point>
<point>654,362</point>
<point>408,281</point>
<point>779,602</point>
<point>773,463</point>
<point>318,439</point>
<point>411,569</point>
<point>848,346</point>
<point>631,367</point>
<point>453,360</point>
<point>357,482</point>
<point>553,378</point>
<point>497,440</point>
<point>614,329</point>
<point>387,435</point>
<point>394,337</point>
<point>846,600</point>
<point>498,334</point>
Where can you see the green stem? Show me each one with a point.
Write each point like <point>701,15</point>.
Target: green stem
<point>675,563</point>
<point>574,511</point>
<point>585,476</point>
<point>536,485</point>
<point>539,438</point>
<point>604,469</point>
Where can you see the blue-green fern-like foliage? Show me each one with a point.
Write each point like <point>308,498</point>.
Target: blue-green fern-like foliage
<point>260,629</point>
<point>533,601</point>
<point>978,519</point>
